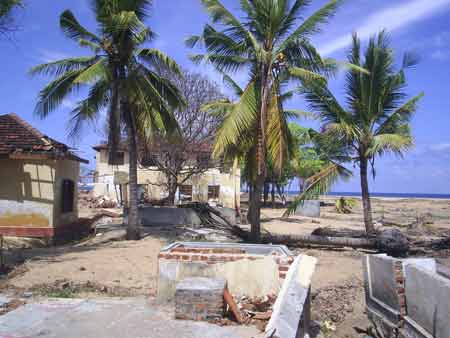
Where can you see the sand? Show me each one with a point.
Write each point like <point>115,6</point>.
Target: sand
<point>133,265</point>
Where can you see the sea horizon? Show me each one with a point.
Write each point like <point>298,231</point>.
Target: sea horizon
<point>381,194</point>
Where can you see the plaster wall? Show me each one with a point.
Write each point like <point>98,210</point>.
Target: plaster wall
<point>30,193</point>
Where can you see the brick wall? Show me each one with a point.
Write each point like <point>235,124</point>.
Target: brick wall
<point>222,255</point>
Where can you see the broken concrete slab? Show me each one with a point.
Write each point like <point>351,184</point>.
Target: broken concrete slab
<point>115,318</point>
<point>428,303</point>
<point>290,318</point>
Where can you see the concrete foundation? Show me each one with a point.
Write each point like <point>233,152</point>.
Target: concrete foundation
<point>114,318</point>
<point>309,208</point>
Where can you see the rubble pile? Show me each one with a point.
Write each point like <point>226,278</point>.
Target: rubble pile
<point>253,311</point>
<point>87,200</point>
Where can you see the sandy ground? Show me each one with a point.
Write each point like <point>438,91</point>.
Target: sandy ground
<point>132,266</point>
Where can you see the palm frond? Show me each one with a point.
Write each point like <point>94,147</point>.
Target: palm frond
<point>312,24</point>
<point>73,29</point>
<point>58,68</point>
<point>156,57</point>
<point>240,119</point>
<point>55,92</point>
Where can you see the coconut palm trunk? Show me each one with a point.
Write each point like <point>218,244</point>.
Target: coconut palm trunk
<point>255,201</point>
<point>133,232</point>
<point>367,208</point>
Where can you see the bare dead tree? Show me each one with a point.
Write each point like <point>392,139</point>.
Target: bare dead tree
<point>7,23</point>
<point>185,154</point>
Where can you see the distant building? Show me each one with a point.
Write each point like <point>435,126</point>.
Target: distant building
<point>38,182</point>
<point>216,185</point>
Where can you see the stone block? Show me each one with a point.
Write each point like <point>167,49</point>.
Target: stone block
<point>200,298</point>
<point>309,208</point>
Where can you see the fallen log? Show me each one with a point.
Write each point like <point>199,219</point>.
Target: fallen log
<point>363,243</point>
<point>391,241</point>
<point>330,232</point>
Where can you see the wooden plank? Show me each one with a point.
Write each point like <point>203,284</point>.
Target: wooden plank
<point>232,304</point>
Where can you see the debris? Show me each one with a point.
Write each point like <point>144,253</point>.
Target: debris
<point>11,305</point>
<point>232,305</point>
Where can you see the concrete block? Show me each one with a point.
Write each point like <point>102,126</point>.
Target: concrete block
<point>309,208</point>
<point>428,303</point>
<point>289,319</point>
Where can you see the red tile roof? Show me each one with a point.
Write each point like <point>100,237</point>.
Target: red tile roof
<point>19,137</point>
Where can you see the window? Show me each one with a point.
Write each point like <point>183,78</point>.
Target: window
<point>213,192</point>
<point>186,192</point>
<point>68,190</point>
<point>119,159</point>
<point>149,160</point>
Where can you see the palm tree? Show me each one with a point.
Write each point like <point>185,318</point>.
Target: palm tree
<point>119,76</point>
<point>270,41</point>
<point>377,117</point>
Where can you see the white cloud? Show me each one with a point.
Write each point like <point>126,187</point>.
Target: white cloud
<point>440,55</point>
<point>391,18</point>
<point>440,147</point>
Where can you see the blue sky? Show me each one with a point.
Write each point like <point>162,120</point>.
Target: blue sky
<point>418,25</point>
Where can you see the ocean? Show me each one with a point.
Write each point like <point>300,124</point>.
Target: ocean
<point>385,194</point>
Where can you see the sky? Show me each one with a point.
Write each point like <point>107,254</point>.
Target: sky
<point>421,26</point>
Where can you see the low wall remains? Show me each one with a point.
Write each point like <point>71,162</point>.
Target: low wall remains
<point>167,216</point>
<point>250,269</point>
<point>407,297</point>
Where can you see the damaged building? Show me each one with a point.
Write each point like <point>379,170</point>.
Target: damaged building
<point>216,184</point>
<point>38,182</point>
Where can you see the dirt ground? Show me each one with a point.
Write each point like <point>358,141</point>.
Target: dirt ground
<point>131,267</point>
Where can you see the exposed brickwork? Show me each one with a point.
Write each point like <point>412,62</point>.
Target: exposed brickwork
<point>400,287</point>
<point>221,255</point>
<point>200,299</point>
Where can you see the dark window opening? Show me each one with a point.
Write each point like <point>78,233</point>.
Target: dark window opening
<point>186,192</point>
<point>119,158</point>
<point>213,191</point>
<point>68,192</point>
<point>149,160</point>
